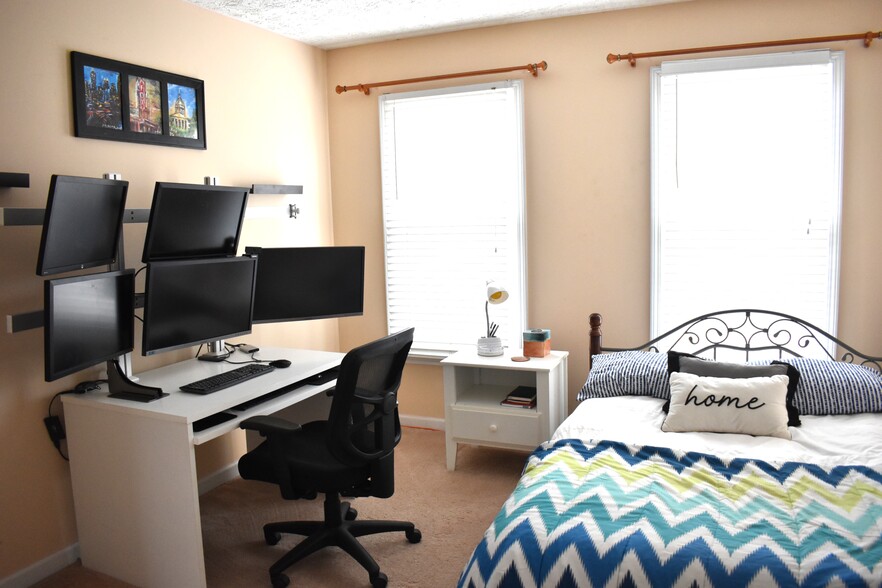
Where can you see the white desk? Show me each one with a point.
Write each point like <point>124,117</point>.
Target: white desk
<point>133,467</point>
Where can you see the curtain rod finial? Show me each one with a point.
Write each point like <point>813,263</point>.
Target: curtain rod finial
<point>340,89</point>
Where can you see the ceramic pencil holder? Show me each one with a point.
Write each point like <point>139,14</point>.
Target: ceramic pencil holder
<point>490,346</point>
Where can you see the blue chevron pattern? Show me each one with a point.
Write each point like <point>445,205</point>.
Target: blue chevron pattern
<point>615,515</point>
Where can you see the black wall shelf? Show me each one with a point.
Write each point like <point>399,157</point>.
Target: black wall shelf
<point>276,189</point>
<point>14,180</point>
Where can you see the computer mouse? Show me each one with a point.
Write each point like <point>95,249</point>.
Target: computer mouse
<point>280,363</point>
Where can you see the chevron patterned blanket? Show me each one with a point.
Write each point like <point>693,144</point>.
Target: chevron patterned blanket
<point>614,515</point>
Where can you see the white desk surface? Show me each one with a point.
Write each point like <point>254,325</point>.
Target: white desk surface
<point>192,407</point>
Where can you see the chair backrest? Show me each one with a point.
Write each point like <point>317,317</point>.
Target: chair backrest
<point>363,422</point>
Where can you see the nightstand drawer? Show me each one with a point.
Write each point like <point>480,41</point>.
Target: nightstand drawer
<point>497,427</point>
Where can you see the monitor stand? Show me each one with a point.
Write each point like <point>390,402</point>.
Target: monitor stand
<point>122,387</point>
<point>217,351</point>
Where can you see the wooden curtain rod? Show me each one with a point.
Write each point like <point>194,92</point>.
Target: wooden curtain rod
<point>633,57</point>
<point>533,68</point>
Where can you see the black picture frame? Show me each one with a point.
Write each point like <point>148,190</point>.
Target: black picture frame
<point>118,101</point>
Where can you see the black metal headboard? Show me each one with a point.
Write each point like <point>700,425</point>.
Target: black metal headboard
<point>758,334</point>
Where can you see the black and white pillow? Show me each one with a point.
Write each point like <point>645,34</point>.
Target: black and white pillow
<point>834,387</point>
<point>627,373</point>
<point>691,364</point>
<point>747,406</point>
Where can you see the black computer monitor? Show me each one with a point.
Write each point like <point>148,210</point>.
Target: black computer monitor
<point>194,301</point>
<point>81,226</point>
<point>302,283</point>
<point>87,320</point>
<point>190,221</point>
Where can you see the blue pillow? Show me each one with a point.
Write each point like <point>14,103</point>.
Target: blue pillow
<point>834,387</point>
<point>627,373</point>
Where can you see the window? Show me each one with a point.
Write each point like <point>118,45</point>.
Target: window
<point>453,212</point>
<point>747,186</point>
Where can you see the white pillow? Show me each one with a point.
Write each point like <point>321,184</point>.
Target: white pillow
<point>751,406</point>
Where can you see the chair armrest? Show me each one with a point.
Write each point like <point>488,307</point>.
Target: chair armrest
<point>268,425</point>
<point>386,403</point>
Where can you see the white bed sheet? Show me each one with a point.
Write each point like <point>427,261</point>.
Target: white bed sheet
<point>824,440</point>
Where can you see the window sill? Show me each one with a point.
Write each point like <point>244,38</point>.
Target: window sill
<point>428,356</point>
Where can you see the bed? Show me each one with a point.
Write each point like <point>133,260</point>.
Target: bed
<point>742,448</point>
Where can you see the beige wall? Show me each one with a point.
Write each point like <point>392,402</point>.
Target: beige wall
<point>266,123</point>
<point>587,146</point>
<point>269,102</point>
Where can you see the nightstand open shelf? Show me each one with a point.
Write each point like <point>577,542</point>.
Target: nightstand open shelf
<point>484,396</point>
<point>474,387</point>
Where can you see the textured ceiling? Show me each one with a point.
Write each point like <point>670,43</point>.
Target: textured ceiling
<point>330,24</point>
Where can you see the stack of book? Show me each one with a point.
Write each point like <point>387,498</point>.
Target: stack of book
<point>523,396</point>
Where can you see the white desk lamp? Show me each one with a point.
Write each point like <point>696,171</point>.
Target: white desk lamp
<point>491,345</point>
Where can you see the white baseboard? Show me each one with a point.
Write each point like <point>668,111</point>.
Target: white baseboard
<point>422,422</point>
<point>218,478</point>
<point>43,568</point>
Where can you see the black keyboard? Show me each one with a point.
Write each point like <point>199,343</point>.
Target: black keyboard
<point>227,379</point>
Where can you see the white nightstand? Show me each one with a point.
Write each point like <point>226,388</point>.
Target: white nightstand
<point>474,386</point>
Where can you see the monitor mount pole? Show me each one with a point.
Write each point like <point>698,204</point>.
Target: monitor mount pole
<point>217,351</point>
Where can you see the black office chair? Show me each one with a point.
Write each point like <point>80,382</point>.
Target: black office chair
<point>350,454</point>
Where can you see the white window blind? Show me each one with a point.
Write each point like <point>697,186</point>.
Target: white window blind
<point>747,186</point>
<point>453,212</point>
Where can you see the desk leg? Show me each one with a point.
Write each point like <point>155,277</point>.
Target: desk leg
<point>136,496</point>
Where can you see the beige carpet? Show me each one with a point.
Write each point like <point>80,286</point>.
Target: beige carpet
<point>452,509</point>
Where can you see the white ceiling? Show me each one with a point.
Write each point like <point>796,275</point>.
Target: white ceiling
<point>330,24</point>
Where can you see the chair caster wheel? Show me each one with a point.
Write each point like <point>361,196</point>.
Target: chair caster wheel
<point>280,581</point>
<point>351,514</point>
<point>414,535</point>
<point>379,581</point>
<point>272,538</point>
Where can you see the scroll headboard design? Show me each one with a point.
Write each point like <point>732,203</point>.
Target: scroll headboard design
<point>752,333</point>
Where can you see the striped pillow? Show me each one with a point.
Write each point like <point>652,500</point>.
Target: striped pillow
<point>627,373</point>
<point>834,387</point>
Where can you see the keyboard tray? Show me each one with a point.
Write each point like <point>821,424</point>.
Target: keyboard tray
<point>315,380</point>
<point>212,420</point>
